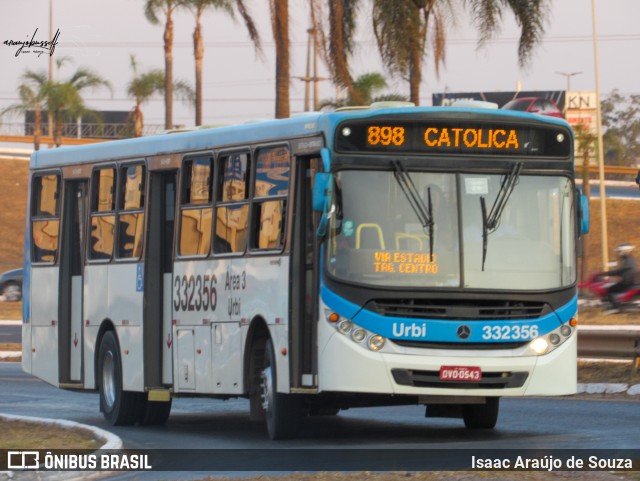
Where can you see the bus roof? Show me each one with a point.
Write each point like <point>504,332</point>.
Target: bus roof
<point>263,131</point>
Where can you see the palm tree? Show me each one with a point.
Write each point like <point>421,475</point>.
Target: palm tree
<point>586,141</point>
<point>280,26</point>
<point>402,30</point>
<point>342,23</point>
<point>64,99</point>
<point>363,92</point>
<point>153,10</point>
<point>401,33</point>
<point>144,85</point>
<point>199,6</point>
<point>32,97</point>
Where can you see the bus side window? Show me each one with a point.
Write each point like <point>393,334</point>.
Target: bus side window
<point>131,212</point>
<point>45,217</point>
<point>232,213</point>
<point>102,214</point>
<point>196,209</point>
<point>273,168</point>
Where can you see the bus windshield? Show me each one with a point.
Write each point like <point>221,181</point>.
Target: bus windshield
<point>378,236</point>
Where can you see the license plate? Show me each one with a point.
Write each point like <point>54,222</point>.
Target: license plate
<point>460,373</point>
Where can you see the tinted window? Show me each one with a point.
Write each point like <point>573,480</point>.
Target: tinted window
<point>45,225</point>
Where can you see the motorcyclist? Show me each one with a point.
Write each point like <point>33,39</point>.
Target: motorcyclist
<point>626,271</point>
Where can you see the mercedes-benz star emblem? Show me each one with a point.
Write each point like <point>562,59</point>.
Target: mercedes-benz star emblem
<point>463,332</point>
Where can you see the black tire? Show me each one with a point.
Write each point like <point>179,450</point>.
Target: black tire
<point>282,411</point>
<point>481,416</point>
<point>120,408</point>
<point>154,413</point>
<point>256,365</point>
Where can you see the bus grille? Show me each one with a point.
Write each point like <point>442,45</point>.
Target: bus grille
<point>480,346</point>
<point>490,380</point>
<point>452,310</point>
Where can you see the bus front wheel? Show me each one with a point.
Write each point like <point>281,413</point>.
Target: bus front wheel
<point>119,407</point>
<point>481,416</point>
<point>281,410</point>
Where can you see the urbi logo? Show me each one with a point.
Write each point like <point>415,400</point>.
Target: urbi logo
<point>400,329</point>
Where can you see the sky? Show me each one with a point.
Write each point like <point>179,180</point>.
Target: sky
<point>239,85</point>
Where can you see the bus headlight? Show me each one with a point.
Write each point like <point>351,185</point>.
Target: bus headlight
<point>376,343</point>
<point>547,343</point>
<point>358,334</point>
<point>344,326</point>
<point>539,345</point>
<point>565,330</point>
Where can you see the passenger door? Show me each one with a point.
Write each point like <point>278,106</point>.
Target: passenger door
<point>70,334</point>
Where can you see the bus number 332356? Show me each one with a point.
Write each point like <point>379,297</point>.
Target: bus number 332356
<point>513,333</point>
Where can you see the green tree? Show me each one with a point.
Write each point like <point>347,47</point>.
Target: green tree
<point>144,85</point>
<point>401,34</point>
<point>621,126</point>
<point>227,6</point>
<point>365,90</point>
<point>586,144</point>
<point>32,93</point>
<point>64,98</point>
<point>154,10</point>
<point>404,29</point>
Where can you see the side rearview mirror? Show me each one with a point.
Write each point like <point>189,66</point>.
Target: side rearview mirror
<point>322,187</point>
<point>582,203</point>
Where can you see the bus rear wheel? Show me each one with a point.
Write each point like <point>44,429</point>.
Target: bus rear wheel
<point>281,410</point>
<point>119,407</point>
<point>481,416</point>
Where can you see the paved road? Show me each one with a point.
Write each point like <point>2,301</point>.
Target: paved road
<point>204,423</point>
<point>10,333</point>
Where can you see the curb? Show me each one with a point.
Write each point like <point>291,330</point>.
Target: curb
<point>609,388</point>
<point>111,441</point>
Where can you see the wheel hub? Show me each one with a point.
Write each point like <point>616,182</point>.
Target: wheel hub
<point>267,390</point>
<point>108,379</point>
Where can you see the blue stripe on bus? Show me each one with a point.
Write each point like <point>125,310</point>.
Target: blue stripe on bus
<point>436,330</point>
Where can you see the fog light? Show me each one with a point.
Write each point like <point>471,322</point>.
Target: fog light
<point>565,330</point>
<point>345,326</point>
<point>376,343</point>
<point>554,339</point>
<point>539,345</point>
<point>358,334</point>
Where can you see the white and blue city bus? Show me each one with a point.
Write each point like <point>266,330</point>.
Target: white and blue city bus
<point>357,258</point>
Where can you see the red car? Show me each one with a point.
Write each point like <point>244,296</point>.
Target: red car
<point>535,105</point>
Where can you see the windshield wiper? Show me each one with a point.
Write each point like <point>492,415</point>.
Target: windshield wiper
<point>423,213</point>
<point>491,221</point>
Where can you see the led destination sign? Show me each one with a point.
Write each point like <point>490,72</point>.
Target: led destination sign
<point>454,138</point>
